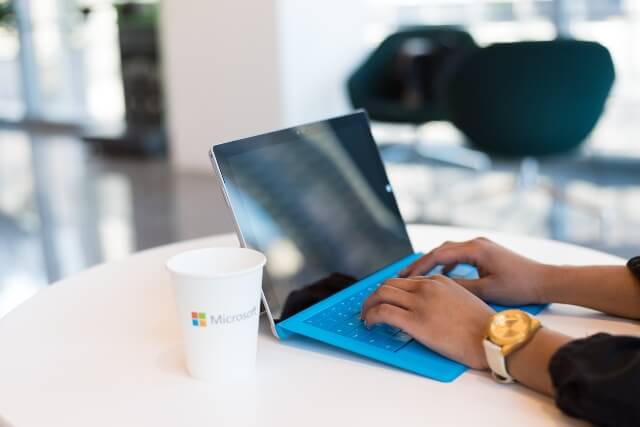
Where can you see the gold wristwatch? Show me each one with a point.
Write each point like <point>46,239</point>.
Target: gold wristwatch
<point>507,331</point>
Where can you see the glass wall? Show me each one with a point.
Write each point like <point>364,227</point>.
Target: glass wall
<point>98,33</point>
<point>56,61</point>
<point>60,62</point>
<point>11,104</point>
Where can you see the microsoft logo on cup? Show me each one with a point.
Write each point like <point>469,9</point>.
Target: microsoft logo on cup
<point>199,319</point>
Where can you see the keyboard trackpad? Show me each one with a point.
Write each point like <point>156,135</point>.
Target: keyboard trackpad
<point>421,354</point>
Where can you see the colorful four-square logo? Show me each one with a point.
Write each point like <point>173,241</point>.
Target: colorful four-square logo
<point>198,319</point>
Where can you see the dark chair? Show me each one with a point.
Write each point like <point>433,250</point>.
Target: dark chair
<point>531,99</point>
<point>400,81</point>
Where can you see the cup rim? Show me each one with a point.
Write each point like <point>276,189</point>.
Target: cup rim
<point>262,260</point>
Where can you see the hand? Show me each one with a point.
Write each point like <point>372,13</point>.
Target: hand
<point>505,277</point>
<point>437,312</point>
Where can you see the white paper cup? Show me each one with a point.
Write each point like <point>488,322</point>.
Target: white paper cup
<point>217,293</point>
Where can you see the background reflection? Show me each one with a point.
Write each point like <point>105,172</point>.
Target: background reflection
<point>316,204</point>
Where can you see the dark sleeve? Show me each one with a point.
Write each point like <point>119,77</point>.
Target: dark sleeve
<point>598,379</point>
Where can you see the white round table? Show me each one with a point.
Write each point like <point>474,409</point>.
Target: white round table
<point>102,348</point>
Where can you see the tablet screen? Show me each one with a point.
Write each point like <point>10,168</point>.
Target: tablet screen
<point>316,201</point>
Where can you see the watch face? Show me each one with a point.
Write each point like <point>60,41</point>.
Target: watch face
<point>509,326</point>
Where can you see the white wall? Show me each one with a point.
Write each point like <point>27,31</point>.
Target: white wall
<point>320,44</point>
<point>221,79</point>
<point>234,68</point>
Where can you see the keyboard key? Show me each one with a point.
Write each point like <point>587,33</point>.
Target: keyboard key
<point>323,314</point>
<point>392,329</point>
<point>343,318</point>
<point>402,337</point>
<point>371,339</point>
<point>435,270</point>
<point>345,326</point>
<point>358,333</point>
<point>394,345</point>
<point>385,330</point>
<point>343,315</point>
<point>462,271</point>
<point>328,323</point>
<point>363,334</point>
<point>341,330</point>
<point>352,323</point>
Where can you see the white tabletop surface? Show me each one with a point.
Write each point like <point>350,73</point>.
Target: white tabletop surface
<point>102,348</point>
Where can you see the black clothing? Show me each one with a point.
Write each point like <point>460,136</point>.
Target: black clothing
<point>634,266</point>
<point>598,379</point>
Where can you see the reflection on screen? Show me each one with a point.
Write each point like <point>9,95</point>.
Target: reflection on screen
<point>318,204</point>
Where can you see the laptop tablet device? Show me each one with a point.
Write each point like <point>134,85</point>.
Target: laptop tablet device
<point>316,200</point>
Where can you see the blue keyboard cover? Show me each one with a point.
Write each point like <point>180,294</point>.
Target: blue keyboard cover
<point>339,317</point>
<point>343,318</point>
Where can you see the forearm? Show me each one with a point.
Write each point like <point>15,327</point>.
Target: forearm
<point>611,289</point>
<point>594,378</point>
<point>530,364</point>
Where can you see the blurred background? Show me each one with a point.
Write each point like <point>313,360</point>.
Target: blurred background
<point>107,110</point>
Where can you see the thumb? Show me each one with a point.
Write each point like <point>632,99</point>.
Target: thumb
<point>475,286</point>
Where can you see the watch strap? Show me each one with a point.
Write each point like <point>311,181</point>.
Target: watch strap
<point>497,362</point>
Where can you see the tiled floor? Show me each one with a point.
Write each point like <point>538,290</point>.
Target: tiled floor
<point>64,208</point>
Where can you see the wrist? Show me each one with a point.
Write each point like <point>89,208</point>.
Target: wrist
<point>477,359</point>
<point>548,282</point>
<point>482,362</point>
<point>529,364</point>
